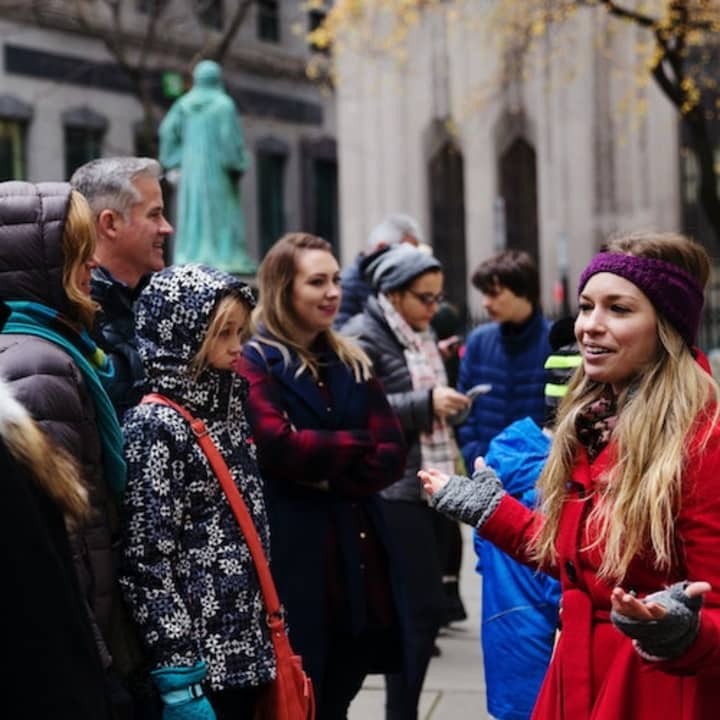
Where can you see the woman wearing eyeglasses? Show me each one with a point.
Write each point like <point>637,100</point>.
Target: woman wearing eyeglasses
<point>394,330</point>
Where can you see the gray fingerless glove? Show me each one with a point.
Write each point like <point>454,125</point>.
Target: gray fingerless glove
<point>671,636</point>
<point>470,500</point>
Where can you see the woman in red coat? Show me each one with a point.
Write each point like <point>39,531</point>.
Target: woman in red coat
<point>630,513</point>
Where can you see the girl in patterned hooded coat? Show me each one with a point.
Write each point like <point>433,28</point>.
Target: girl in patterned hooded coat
<point>189,577</point>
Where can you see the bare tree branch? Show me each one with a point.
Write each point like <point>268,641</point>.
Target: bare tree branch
<point>618,10</point>
<point>230,32</point>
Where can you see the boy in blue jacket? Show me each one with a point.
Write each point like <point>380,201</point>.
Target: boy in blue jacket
<point>519,605</point>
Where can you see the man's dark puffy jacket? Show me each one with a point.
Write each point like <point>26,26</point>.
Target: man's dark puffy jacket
<point>354,291</point>
<point>413,407</point>
<point>115,333</point>
<point>355,286</point>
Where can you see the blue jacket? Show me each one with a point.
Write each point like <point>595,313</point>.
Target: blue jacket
<point>512,360</point>
<point>325,450</point>
<point>519,605</point>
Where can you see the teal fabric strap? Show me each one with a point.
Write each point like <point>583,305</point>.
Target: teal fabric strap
<point>176,697</point>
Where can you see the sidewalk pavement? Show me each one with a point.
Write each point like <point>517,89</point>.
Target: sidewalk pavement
<point>454,687</point>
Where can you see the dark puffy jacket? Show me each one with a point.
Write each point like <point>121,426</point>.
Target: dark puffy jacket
<point>188,575</point>
<point>115,330</point>
<point>55,670</point>
<point>355,291</point>
<point>355,287</point>
<point>47,382</point>
<point>413,407</point>
<point>511,359</point>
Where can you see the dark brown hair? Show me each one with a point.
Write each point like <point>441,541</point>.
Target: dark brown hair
<point>511,269</point>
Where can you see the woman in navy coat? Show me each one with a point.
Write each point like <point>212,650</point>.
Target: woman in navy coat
<point>328,442</point>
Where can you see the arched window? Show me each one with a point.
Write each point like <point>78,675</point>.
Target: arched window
<point>447,212</point>
<point>518,188</point>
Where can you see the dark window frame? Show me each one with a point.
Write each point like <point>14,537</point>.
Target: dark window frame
<point>83,136</point>
<point>268,21</point>
<point>271,156</point>
<point>146,7</point>
<point>211,13</point>
<point>315,19</point>
<point>15,116</point>
<point>13,148</point>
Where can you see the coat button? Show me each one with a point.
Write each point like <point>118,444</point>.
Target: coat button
<point>570,571</point>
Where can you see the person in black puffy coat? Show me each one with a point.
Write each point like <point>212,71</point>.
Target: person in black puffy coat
<point>57,372</point>
<point>43,619</point>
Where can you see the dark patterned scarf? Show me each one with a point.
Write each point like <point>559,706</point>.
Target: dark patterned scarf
<point>596,422</point>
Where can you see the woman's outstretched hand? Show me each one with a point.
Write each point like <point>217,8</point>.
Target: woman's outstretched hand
<point>432,480</point>
<point>631,607</point>
<point>662,625</point>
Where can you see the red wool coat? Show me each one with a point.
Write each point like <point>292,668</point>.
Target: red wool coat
<point>596,674</point>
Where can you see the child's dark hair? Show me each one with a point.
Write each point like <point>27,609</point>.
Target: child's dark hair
<point>511,269</point>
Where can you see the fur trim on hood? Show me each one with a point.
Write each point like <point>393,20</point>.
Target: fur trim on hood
<point>50,465</point>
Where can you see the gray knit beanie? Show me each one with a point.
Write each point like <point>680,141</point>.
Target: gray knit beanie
<point>398,266</point>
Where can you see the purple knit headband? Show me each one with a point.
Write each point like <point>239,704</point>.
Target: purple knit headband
<point>675,293</point>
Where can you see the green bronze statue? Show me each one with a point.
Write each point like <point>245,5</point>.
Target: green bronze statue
<point>201,135</point>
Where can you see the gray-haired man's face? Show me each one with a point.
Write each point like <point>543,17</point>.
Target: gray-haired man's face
<point>143,234</point>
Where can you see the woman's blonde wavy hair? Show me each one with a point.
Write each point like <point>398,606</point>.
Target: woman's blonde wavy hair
<point>78,246</point>
<point>639,497</point>
<point>275,312</point>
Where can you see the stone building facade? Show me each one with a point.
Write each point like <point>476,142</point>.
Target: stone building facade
<point>541,151</point>
<point>64,100</point>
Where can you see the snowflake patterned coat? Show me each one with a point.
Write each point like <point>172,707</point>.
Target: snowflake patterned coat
<point>188,575</point>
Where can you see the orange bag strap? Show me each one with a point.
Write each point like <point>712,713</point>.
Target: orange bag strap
<point>273,608</point>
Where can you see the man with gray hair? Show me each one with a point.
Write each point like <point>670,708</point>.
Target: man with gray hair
<point>125,197</point>
<point>394,229</point>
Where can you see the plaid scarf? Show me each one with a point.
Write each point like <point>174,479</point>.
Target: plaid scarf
<point>437,448</point>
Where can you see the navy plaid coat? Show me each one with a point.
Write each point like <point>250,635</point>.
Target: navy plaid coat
<point>325,448</point>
